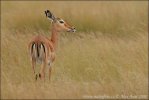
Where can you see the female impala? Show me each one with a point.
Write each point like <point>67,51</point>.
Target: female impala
<point>42,49</point>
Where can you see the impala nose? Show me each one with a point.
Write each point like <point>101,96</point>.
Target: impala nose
<point>73,29</point>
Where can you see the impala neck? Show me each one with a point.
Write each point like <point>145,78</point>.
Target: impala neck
<point>54,37</point>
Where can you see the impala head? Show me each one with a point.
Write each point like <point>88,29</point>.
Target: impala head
<point>59,24</point>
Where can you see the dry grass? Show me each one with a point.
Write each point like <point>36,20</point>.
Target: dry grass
<point>107,56</point>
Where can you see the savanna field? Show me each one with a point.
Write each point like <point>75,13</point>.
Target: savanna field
<point>107,56</point>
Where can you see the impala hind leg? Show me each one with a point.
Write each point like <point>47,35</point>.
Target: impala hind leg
<point>33,67</point>
<point>42,71</point>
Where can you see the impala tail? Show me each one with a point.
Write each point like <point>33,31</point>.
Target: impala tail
<point>38,52</point>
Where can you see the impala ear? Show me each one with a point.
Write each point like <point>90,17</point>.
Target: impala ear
<point>49,15</point>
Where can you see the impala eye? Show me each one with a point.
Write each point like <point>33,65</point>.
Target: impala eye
<point>61,21</point>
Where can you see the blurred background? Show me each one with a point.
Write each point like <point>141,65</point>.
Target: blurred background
<point>106,17</point>
<point>106,56</point>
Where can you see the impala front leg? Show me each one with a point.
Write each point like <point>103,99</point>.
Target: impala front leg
<point>50,60</point>
<point>50,70</point>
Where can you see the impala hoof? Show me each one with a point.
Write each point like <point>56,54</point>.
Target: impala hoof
<point>39,75</point>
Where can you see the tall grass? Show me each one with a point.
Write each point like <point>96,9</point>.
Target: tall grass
<point>106,17</point>
<point>106,56</point>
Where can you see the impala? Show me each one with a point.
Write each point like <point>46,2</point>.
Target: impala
<point>42,49</point>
